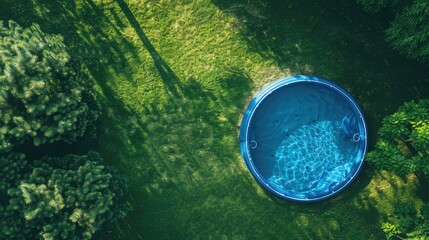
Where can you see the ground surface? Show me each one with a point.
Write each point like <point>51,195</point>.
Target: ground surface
<point>174,78</point>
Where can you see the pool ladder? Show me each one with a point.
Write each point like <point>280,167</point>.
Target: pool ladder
<point>350,127</point>
<point>253,144</point>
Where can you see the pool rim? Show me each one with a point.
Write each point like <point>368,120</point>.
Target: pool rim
<point>260,97</point>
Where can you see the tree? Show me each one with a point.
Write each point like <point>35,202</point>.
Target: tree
<point>409,31</point>
<point>42,96</point>
<point>403,144</point>
<point>62,198</point>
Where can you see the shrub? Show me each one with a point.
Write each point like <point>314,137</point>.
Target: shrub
<point>403,144</point>
<point>63,198</point>
<point>408,224</point>
<point>11,171</point>
<point>42,98</point>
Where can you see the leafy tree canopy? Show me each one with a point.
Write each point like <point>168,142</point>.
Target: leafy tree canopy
<point>409,31</point>
<point>42,98</point>
<point>403,145</point>
<point>60,198</point>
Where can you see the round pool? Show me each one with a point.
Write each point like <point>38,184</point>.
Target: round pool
<point>303,138</point>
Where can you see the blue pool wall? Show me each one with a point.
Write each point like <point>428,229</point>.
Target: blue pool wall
<point>245,133</point>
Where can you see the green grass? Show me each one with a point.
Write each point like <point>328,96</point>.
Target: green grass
<point>173,93</point>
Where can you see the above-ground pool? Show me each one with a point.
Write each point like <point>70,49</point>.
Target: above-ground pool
<point>303,138</point>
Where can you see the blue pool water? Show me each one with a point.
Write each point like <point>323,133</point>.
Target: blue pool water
<point>303,138</point>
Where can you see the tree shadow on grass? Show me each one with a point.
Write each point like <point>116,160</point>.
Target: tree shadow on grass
<point>169,149</point>
<point>92,38</point>
<point>183,152</point>
<point>167,74</point>
<point>334,39</point>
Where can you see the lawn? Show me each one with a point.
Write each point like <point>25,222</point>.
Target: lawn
<point>174,78</point>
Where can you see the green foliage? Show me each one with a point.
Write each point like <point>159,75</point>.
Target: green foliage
<point>391,230</point>
<point>409,31</point>
<point>408,223</point>
<point>403,145</point>
<point>63,198</point>
<point>42,98</point>
<point>12,169</point>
